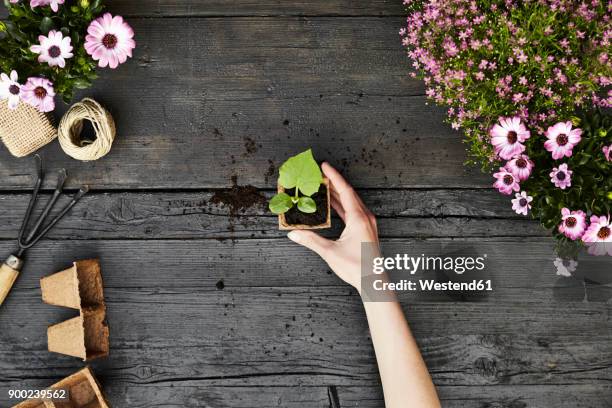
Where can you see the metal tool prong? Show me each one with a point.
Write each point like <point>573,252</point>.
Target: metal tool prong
<point>61,180</point>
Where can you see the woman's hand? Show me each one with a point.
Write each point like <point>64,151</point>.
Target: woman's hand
<point>406,382</point>
<point>344,255</point>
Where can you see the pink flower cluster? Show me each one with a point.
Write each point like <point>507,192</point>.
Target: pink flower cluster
<point>507,138</point>
<point>455,46</point>
<point>109,40</point>
<point>37,92</point>
<point>596,234</point>
<point>54,4</point>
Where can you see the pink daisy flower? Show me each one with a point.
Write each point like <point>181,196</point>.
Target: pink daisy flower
<point>561,176</point>
<point>508,136</point>
<point>562,139</point>
<point>573,223</point>
<point>53,49</point>
<point>109,40</point>
<point>598,236</point>
<point>521,167</point>
<point>39,93</point>
<point>607,151</point>
<point>522,203</point>
<point>10,89</point>
<point>41,3</point>
<point>506,183</point>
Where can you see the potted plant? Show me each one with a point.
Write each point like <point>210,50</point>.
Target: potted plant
<point>303,199</point>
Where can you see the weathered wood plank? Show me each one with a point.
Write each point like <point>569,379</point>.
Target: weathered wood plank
<point>158,314</point>
<point>172,327</point>
<point>179,395</point>
<point>221,8</point>
<point>201,264</point>
<point>208,99</point>
<point>415,213</point>
<point>283,358</point>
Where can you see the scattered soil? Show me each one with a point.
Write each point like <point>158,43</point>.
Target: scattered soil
<point>250,146</point>
<point>239,198</point>
<point>295,216</point>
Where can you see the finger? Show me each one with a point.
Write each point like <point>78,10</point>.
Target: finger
<point>312,241</point>
<point>336,205</point>
<point>346,195</point>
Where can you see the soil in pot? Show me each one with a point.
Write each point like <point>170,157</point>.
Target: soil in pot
<point>296,217</point>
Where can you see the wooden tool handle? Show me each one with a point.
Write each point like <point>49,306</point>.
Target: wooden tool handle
<point>8,276</point>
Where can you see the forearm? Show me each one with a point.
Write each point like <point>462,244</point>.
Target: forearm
<point>405,379</point>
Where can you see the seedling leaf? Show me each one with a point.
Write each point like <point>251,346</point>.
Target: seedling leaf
<point>307,205</point>
<point>280,203</point>
<point>301,172</point>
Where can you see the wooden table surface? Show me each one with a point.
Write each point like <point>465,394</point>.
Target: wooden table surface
<point>211,306</point>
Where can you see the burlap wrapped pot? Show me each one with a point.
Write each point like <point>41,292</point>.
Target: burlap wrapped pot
<point>25,130</point>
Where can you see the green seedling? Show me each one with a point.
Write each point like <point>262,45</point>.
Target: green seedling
<point>302,173</point>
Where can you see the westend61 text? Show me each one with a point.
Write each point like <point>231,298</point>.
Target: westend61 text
<point>431,285</point>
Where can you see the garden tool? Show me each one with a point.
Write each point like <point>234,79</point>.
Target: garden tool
<point>9,270</point>
<point>332,393</point>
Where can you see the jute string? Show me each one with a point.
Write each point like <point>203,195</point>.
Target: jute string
<point>71,126</point>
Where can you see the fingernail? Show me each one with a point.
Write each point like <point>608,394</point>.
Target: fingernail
<point>294,236</point>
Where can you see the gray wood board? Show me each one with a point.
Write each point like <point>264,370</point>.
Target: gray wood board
<point>402,213</point>
<point>207,99</point>
<point>267,8</point>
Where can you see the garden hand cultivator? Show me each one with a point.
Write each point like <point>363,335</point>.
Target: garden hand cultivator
<point>9,270</point>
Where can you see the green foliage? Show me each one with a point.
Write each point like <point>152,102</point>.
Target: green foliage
<point>22,29</point>
<point>280,203</point>
<point>307,205</point>
<point>302,173</point>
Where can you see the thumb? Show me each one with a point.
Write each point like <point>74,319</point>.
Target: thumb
<point>311,240</point>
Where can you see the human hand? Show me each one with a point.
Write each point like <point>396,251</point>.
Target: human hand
<point>343,255</point>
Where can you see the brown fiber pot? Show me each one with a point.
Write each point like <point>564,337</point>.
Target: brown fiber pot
<point>282,221</point>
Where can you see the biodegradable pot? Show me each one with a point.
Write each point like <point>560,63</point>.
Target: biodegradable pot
<point>282,218</point>
<point>76,287</point>
<point>84,336</point>
<point>25,130</point>
<point>79,287</point>
<point>84,392</point>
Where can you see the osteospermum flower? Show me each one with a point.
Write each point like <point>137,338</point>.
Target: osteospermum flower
<point>508,136</point>
<point>565,267</point>
<point>522,203</point>
<point>561,176</point>
<point>598,236</point>
<point>109,40</point>
<point>10,89</point>
<point>562,139</point>
<point>53,49</point>
<point>520,167</point>
<point>506,183</point>
<point>573,223</point>
<point>41,3</point>
<point>607,151</point>
<point>39,93</point>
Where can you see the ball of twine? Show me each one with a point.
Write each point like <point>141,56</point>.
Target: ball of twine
<point>71,126</point>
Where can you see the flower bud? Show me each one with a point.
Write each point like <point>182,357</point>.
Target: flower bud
<point>2,27</point>
<point>609,195</point>
<point>84,3</point>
